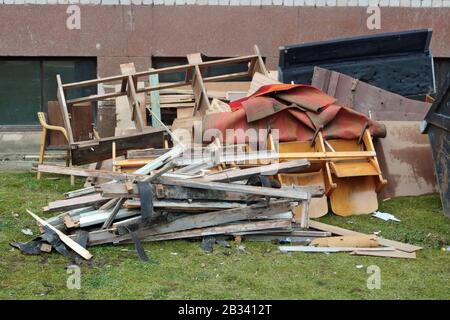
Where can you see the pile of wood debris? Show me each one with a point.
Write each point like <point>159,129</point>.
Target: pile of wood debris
<point>179,190</point>
<point>172,197</point>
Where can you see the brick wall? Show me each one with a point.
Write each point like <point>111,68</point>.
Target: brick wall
<point>310,3</point>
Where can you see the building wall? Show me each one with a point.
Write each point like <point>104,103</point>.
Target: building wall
<point>117,34</point>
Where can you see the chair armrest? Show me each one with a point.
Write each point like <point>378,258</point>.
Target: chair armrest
<point>47,126</point>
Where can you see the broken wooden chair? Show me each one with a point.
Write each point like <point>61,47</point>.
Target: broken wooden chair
<point>45,128</point>
<point>348,169</point>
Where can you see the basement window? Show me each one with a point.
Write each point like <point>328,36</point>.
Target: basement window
<point>27,84</point>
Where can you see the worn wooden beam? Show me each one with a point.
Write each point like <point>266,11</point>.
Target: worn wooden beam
<point>206,219</point>
<point>187,206</point>
<point>295,194</point>
<point>117,190</point>
<point>228,229</point>
<point>345,232</point>
<point>73,203</point>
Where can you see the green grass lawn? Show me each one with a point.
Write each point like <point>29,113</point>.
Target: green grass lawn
<point>184,271</point>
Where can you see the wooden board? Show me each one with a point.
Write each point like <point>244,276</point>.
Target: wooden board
<point>357,241</point>
<point>354,196</point>
<point>344,232</point>
<point>353,169</point>
<point>318,206</point>
<point>82,120</point>
<point>79,202</point>
<point>98,150</point>
<point>405,158</point>
<point>296,194</point>
<point>385,254</point>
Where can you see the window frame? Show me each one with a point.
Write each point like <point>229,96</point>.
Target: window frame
<point>42,60</point>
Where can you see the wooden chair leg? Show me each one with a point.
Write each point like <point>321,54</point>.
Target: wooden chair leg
<point>42,150</point>
<point>69,164</point>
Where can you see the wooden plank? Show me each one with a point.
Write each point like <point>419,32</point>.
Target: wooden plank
<point>80,172</point>
<point>99,216</point>
<point>79,192</point>
<point>387,254</point>
<point>344,232</point>
<point>95,97</point>
<point>118,190</point>
<point>107,236</point>
<point>155,100</point>
<point>230,187</point>
<point>270,169</point>
<point>133,101</point>
<point>98,150</point>
<point>357,241</point>
<point>222,229</point>
<point>209,219</point>
<point>82,120</point>
<point>64,111</point>
<point>64,238</point>
<point>74,203</point>
<point>187,206</point>
<point>198,87</point>
<point>331,249</point>
<point>114,214</point>
<point>146,153</point>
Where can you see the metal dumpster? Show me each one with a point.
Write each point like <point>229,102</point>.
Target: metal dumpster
<point>437,126</point>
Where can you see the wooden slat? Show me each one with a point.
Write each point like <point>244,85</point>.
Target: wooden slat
<point>96,97</point>
<point>79,202</point>
<point>80,172</point>
<point>64,111</point>
<point>155,100</point>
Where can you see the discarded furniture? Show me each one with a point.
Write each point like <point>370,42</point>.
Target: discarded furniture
<point>404,154</point>
<point>437,126</point>
<point>96,150</point>
<point>45,130</point>
<point>384,60</point>
<point>349,170</point>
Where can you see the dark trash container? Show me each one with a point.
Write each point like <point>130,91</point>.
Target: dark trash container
<point>437,126</point>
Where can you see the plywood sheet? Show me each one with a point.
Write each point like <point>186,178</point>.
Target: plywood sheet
<point>405,159</point>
